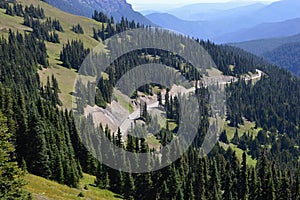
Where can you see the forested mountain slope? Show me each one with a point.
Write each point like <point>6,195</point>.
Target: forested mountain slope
<point>262,31</point>
<point>286,56</point>
<point>48,144</point>
<point>283,52</point>
<point>259,47</point>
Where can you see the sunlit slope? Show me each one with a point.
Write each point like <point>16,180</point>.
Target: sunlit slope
<point>64,76</point>
<point>45,189</point>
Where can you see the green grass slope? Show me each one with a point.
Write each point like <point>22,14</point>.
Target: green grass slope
<point>248,127</point>
<point>65,77</point>
<point>44,189</point>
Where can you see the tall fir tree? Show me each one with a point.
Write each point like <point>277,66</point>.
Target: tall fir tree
<point>11,177</point>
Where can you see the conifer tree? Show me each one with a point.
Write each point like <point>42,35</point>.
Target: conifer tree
<point>243,179</point>
<point>129,187</point>
<point>119,141</point>
<point>38,159</point>
<point>215,182</point>
<point>235,140</point>
<point>11,181</point>
<point>285,188</point>
<point>223,137</point>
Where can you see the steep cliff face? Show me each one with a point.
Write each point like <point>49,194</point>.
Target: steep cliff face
<point>115,8</point>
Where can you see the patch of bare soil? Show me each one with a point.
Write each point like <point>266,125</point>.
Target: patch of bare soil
<point>112,116</point>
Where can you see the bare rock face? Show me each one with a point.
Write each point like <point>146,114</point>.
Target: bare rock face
<point>115,8</point>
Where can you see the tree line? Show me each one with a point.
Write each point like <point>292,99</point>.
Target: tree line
<point>110,28</point>
<point>32,16</point>
<point>18,10</point>
<point>73,54</point>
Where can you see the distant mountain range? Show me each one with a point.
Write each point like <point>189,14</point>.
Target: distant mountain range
<point>207,11</point>
<point>115,8</point>
<point>259,47</point>
<point>278,11</point>
<point>262,31</point>
<point>171,22</point>
<point>233,22</point>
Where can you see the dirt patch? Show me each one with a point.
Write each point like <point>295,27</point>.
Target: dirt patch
<point>177,89</point>
<point>112,116</point>
<point>174,91</point>
<point>40,197</point>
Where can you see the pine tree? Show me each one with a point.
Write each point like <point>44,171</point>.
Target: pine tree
<point>78,29</point>
<point>119,142</point>
<point>190,190</point>
<point>285,188</point>
<point>266,179</point>
<point>215,182</point>
<point>102,179</point>
<point>159,98</point>
<point>11,181</point>
<point>227,185</point>
<point>253,185</point>
<point>10,11</point>
<point>235,140</point>
<point>223,137</point>
<point>296,194</point>
<point>129,187</point>
<point>95,34</point>
<point>37,157</point>
<point>243,180</point>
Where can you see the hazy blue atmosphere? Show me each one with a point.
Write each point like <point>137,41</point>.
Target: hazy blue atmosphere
<point>162,5</point>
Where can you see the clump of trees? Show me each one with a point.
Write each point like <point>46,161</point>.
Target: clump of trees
<point>18,10</point>
<point>32,16</point>
<point>44,30</point>
<point>73,54</point>
<point>110,28</point>
<point>101,17</point>
<point>77,29</point>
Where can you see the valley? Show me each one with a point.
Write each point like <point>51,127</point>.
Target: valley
<point>231,22</point>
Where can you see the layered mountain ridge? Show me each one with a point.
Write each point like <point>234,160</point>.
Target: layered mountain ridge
<point>117,8</point>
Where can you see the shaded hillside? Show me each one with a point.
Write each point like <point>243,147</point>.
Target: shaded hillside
<point>206,11</point>
<point>115,8</point>
<point>206,25</point>
<point>173,23</point>
<point>287,56</point>
<point>259,47</point>
<point>283,52</point>
<point>262,31</point>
